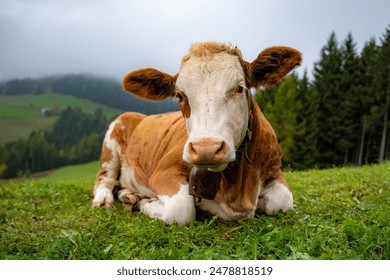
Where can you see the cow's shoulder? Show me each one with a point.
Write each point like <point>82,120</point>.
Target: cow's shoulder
<point>264,146</point>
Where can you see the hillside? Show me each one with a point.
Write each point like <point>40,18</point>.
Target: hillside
<point>21,114</point>
<point>340,213</point>
<point>97,89</point>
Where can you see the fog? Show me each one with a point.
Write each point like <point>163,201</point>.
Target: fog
<point>113,37</point>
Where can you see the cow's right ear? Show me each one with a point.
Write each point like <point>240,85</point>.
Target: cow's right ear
<point>150,84</point>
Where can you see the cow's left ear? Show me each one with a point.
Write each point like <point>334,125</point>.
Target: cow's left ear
<point>271,65</point>
<point>149,83</point>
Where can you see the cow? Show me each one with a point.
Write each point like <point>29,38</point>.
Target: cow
<point>218,154</point>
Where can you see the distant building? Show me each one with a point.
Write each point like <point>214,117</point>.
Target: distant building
<point>46,111</point>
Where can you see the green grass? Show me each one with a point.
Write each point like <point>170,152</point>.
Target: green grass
<point>20,115</point>
<point>31,105</point>
<point>16,128</point>
<point>75,173</point>
<point>340,213</point>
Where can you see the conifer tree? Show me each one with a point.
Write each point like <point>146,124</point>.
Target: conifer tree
<point>282,114</point>
<point>369,87</point>
<point>304,152</point>
<point>327,83</point>
<point>350,90</point>
<point>384,94</point>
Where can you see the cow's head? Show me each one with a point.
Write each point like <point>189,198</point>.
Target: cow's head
<point>213,88</point>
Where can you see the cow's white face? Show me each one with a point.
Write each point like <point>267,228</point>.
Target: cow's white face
<point>213,100</point>
<point>213,93</point>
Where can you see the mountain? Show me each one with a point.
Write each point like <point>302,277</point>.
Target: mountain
<point>97,89</point>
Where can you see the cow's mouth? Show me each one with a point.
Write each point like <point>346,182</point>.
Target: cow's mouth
<point>212,168</point>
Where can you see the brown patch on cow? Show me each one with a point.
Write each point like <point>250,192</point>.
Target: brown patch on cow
<point>106,154</point>
<point>264,152</point>
<point>271,65</point>
<point>126,124</point>
<point>150,84</point>
<point>184,105</point>
<point>154,149</point>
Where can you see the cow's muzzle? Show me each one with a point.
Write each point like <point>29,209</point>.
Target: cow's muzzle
<point>208,154</point>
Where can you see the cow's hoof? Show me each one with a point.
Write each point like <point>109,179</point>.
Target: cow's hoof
<point>130,198</point>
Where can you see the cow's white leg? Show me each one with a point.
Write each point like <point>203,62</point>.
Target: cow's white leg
<point>275,197</point>
<point>108,172</point>
<point>103,195</point>
<point>105,183</point>
<point>179,207</point>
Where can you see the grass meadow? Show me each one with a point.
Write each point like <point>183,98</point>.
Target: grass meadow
<point>21,115</point>
<point>340,213</point>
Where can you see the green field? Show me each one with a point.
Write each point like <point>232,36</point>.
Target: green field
<point>14,128</point>
<point>75,173</point>
<point>20,115</point>
<point>340,213</point>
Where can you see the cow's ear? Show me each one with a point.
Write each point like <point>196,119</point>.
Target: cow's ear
<point>149,83</point>
<point>271,65</point>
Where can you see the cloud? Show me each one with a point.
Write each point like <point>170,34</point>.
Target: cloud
<point>112,37</point>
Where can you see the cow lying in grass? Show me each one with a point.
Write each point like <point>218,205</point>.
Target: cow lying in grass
<point>219,154</point>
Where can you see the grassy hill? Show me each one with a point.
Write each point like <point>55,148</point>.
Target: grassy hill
<point>20,115</point>
<point>75,173</point>
<point>340,213</point>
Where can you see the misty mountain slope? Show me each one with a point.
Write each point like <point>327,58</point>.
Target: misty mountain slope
<point>100,90</point>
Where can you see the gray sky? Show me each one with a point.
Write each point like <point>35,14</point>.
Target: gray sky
<point>113,37</point>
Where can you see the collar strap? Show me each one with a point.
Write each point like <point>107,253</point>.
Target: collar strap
<point>249,132</point>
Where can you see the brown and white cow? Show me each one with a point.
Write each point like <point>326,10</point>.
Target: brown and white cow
<point>220,134</point>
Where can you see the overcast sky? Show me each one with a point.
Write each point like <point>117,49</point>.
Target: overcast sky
<point>113,37</point>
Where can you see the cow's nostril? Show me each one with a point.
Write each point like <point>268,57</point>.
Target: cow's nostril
<point>192,151</point>
<point>222,149</point>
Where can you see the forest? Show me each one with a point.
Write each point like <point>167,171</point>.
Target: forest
<point>341,115</point>
<point>338,116</point>
<point>75,138</point>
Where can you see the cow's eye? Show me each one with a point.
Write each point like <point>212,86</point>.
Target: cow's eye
<point>179,95</point>
<point>240,89</point>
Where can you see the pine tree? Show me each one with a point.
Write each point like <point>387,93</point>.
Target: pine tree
<point>282,114</point>
<point>304,152</point>
<point>327,83</point>
<point>350,110</point>
<point>384,93</point>
<point>369,88</point>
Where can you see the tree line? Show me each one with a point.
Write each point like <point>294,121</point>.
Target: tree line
<point>75,138</point>
<point>341,115</point>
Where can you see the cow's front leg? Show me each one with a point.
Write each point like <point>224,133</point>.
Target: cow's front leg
<point>179,207</point>
<point>104,186</point>
<point>274,197</point>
